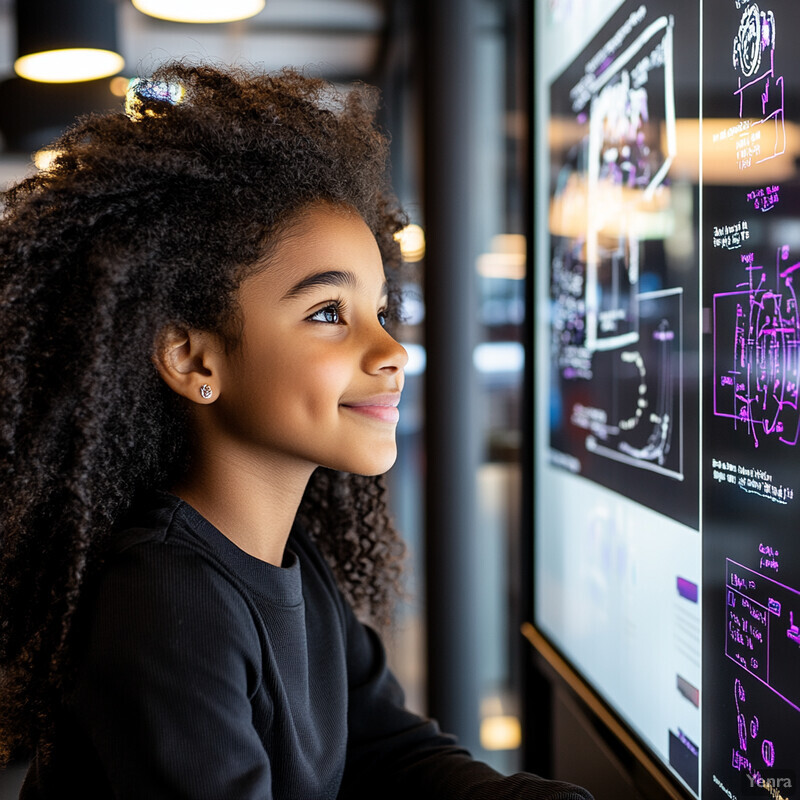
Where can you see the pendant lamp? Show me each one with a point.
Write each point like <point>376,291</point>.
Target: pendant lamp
<point>200,10</point>
<point>66,41</point>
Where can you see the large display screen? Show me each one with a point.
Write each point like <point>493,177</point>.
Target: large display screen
<point>666,375</point>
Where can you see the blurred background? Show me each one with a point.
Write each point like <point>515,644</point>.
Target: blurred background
<point>454,77</point>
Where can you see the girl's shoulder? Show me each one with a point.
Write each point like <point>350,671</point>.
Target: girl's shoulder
<point>160,540</point>
<point>158,551</point>
<point>164,535</point>
<point>161,588</point>
<point>171,579</point>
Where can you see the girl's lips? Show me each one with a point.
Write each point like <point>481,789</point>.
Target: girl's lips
<point>382,407</point>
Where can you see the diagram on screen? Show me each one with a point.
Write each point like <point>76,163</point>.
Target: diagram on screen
<point>617,350</point>
<point>757,349</point>
<point>760,92</point>
<point>764,641</point>
<point>755,752</point>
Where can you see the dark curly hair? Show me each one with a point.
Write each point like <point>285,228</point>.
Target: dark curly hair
<point>145,220</point>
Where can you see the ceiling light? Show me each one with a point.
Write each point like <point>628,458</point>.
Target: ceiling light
<point>68,65</point>
<point>412,242</point>
<point>66,42</point>
<point>200,10</point>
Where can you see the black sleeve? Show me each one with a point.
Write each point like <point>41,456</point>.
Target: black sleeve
<point>395,754</point>
<point>163,691</point>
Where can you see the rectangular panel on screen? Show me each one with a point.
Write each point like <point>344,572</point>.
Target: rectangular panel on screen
<point>751,459</point>
<point>667,352</point>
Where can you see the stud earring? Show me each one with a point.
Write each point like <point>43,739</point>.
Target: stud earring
<point>206,391</point>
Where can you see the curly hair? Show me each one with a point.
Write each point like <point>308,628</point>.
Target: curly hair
<point>143,222</point>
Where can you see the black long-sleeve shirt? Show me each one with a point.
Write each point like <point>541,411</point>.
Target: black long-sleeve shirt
<point>208,673</point>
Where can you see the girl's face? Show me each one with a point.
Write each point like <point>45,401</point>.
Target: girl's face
<point>316,378</point>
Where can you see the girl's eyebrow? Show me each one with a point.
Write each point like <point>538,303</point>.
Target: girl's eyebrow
<point>333,277</point>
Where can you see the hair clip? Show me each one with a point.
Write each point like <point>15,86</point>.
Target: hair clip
<point>146,98</point>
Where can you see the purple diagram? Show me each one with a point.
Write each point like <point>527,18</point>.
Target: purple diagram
<point>761,635</point>
<point>756,336</point>
<point>761,91</point>
<point>762,638</point>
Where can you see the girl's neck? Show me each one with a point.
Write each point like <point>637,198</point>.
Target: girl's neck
<point>251,502</point>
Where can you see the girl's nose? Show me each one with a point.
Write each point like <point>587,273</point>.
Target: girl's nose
<point>385,354</point>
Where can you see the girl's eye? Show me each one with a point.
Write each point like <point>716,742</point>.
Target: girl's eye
<point>329,314</point>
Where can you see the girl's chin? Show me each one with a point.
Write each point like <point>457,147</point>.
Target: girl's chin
<point>371,464</point>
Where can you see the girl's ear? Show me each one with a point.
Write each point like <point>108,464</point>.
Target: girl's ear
<point>189,362</point>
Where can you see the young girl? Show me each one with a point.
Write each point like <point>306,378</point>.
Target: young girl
<point>197,382</point>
